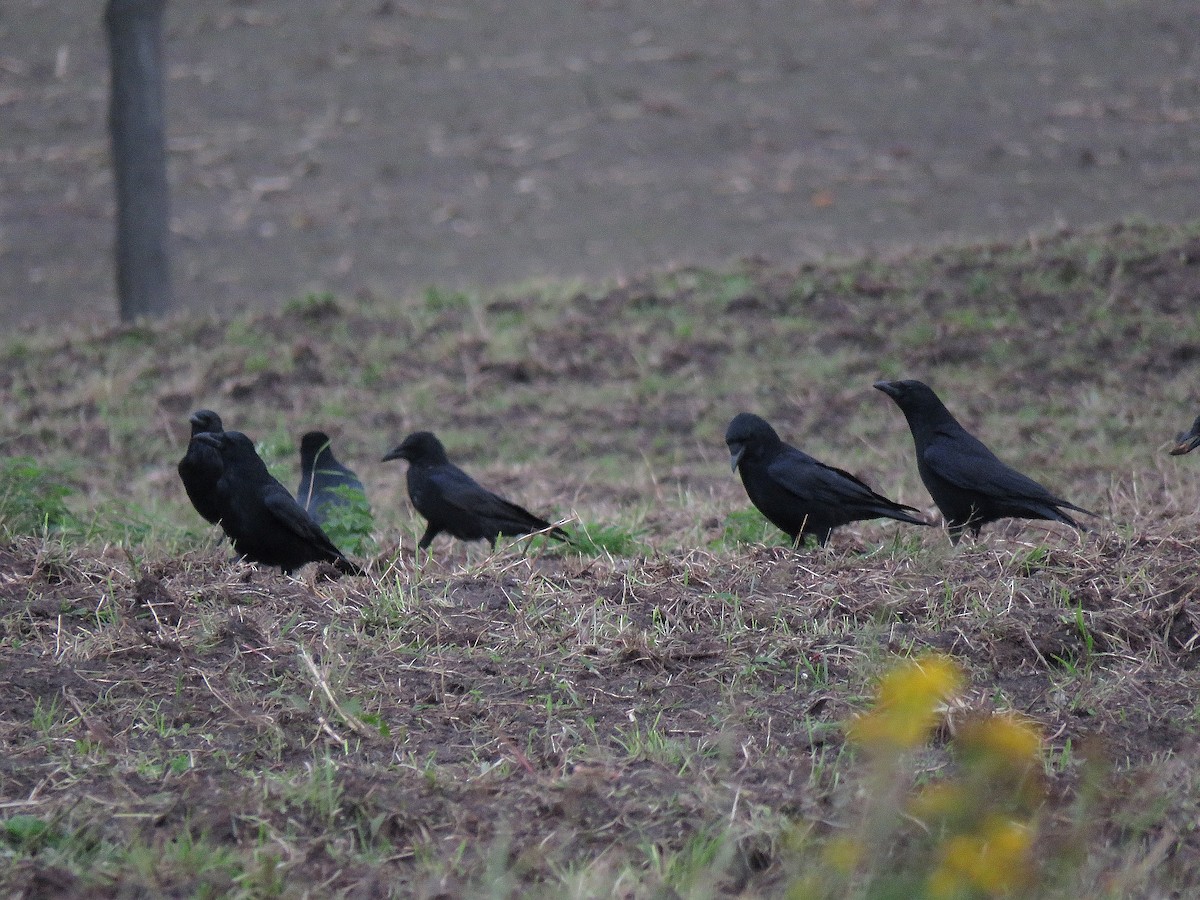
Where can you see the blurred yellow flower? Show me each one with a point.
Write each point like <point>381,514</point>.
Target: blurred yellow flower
<point>941,800</point>
<point>808,887</point>
<point>995,860</point>
<point>844,853</point>
<point>921,682</point>
<point>906,704</point>
<point>1003,739</point>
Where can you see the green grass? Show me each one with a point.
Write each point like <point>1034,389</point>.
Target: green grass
<point>598,539</point>
<point>32,498</point>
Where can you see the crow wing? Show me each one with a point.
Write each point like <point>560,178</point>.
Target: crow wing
<point>813,481</point>
<point>467,497</point>
<point>966,463</point>
<point>291,515</point>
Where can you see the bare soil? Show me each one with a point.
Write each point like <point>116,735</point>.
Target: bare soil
<point>371,147</point>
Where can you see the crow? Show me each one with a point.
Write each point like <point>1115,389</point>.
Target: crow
<point>967,482</point>
<point>262,520</point>
<point>453,501</point>
<point>321,475</point>
<point>201,466</point>
<point>1187,441</point>
<point>798,494</point>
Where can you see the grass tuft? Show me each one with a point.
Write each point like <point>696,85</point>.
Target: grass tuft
<point>33,498</point>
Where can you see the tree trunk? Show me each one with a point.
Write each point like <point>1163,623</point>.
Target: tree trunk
<point>137,125</point>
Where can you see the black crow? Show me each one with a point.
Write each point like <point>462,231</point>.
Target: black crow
<point>1187,441</point>
<point>800,495</point>
<point>967,482</point>
<point>201,466</point>
<point>321,475</point>
<point>453,501</point>
<point>264,523</point>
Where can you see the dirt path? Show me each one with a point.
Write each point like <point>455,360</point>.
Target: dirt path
<point>381,146</point>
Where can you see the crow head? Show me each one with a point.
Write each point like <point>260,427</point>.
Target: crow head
<point>421,448</point>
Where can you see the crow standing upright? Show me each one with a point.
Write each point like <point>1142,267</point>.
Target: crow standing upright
<point>1187,441</point>
<point>264,523</point>
<point>967,482</point>
<point>798,494</point>
<point>201,466</point>
<point>321,475</point>
<point>453,501</point>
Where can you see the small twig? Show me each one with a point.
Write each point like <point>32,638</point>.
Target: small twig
<point>328,729</point>
<point>97,731</point>
<point>516,751</point>
<point>357,725</point>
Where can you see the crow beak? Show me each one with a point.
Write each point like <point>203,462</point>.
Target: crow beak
<point>397,453</point>
<point>1186,442</point>
<point>887,387</point>
<point>736,452</point>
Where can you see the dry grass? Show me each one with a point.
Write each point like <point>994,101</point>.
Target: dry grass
<point>666,717</point>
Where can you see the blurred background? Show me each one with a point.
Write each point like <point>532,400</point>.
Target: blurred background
<point>377,147</point>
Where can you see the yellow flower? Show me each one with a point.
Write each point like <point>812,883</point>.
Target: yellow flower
<point>994,861</point>
<point>941,800</point>
<point>906,703</point>
<point>843,853</point>
<point>808,887</point>
<point>920,683</point>
<point>1006,739</point>
<point>1002,760</point>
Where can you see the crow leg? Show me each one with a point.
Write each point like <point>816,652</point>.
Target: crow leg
<point>431,532</point>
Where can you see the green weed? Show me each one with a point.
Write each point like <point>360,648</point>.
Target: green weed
<point>749,526</point>
<point>349,523</point>
<point>33,498</point>
<point>596,539</point>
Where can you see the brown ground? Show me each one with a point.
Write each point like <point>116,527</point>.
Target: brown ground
<point>515,729</point>
<point>378,145</point>
<point>605,718</point>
